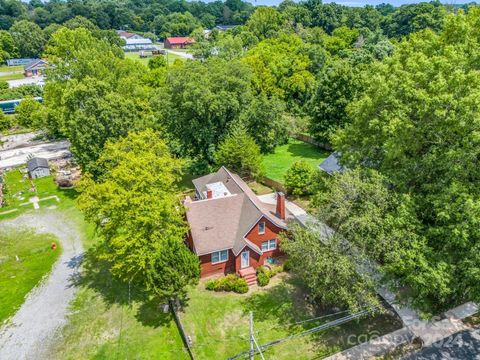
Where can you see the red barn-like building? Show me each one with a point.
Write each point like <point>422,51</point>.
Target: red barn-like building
<point>231,229</point>
<point>177,42</point>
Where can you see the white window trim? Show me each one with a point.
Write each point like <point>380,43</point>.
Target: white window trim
<point>264,227</point>
<point>269,248</point>
<point>274,244</point>
<point>220,261</point>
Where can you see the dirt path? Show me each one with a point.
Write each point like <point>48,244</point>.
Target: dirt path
<point>30,331</point>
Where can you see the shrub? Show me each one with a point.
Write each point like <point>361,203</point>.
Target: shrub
<point>263,279</point>
<point>230,282</point>
<point>210,285</point>
<point>240,286</point>
<point>299,178</point>
<point>5,121</point>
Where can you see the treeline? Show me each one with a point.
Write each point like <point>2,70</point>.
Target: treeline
<point>164,18</point>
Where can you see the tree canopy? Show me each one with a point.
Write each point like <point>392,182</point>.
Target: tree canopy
<point>136,212</point>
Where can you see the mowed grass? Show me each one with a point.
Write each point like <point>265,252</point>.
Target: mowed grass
<point>25,258</point>
<point>277,163</point>
<point>219,326</point>
<point>136,56</point>
<point>19,189</point>
<point>107,321</point>
<point>14,76</point>
<point>6,68</point>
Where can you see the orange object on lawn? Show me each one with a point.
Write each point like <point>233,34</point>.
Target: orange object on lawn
<point>53,246</point>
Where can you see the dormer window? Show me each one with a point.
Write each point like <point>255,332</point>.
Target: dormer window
<point>261,228</point>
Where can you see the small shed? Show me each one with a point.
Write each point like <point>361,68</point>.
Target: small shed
<point>38,167</point>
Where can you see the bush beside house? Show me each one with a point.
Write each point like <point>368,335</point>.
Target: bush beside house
<point>231,282</point>
<point>264,274</point>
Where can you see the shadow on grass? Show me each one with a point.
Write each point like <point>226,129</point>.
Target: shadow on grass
<point>284,303</point>
<point>96,275</point>
<point>306,151</point>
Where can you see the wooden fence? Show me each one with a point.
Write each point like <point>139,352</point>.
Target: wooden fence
<point>311,140</point>
<point>273,184</point>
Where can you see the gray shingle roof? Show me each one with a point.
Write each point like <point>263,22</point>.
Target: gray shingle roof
<point>331,164</point>
<point>35,163</point>
<point>222,223</point>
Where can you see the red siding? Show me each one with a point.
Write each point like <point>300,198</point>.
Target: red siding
<point>207,268</point>
<point>271,232</point>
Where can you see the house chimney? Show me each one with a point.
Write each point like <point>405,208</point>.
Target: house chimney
<point>281,205</point>
<point>209,194</point>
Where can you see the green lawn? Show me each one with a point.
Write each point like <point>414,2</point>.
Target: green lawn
<point>19,190</point>
<point>144,61</point>
<point>25,257</point>
<point>277,163</point>
<point>218,323</point>
<point>12,77</point>
<point>6,68</point>
<point>105,324</point>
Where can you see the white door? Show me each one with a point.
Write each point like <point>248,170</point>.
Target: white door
<point>245,259</point>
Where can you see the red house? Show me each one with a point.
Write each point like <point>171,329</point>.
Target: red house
<point>177,42</point>
<point>231,230</point>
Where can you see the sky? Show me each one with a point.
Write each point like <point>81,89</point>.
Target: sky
<point>360,2</point>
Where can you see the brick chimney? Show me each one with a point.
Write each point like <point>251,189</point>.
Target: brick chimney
<point>209,194</point>
<point>281,205</point>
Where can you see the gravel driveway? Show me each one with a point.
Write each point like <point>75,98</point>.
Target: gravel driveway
<point>31,330</point>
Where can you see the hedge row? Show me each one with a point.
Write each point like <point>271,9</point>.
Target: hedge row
<point>231,282</point>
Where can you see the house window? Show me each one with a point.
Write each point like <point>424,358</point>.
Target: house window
<point>269,245</point>
<point>219,256</point>
<point>261,228</point>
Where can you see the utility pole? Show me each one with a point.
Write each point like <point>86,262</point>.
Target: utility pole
<point>251,336</point>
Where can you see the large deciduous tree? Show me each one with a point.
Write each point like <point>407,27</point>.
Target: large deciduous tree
<point>198,102</point>
<point>417,123</point>
<point>29,38</point>
<point>135,208</point>
<point>92,94</point>
<point>329,273</point>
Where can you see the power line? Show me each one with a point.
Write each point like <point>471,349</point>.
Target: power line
<point>307,332</point>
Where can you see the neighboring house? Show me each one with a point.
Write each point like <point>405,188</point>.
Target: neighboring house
<point>38,167</point>
<point>231,229</point>
<point>36,67</point>
<point>178,42</point>
<point>135,42</point>
<point>331,164</point>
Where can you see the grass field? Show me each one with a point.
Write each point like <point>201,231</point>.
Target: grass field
<point>277,163</point>
<point>135,56</point>
<point>18,192</point>
<point>218,323</point>
<point>12,77</point>
<point>108,323</point>
<point>25,257</point>
<point>6,68</point>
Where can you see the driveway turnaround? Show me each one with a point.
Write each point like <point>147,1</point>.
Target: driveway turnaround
<point>30,332</point>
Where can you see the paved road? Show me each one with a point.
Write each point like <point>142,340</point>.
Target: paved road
<point>464,345</point>
<point>31,330</point>
<point>18,156</point>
